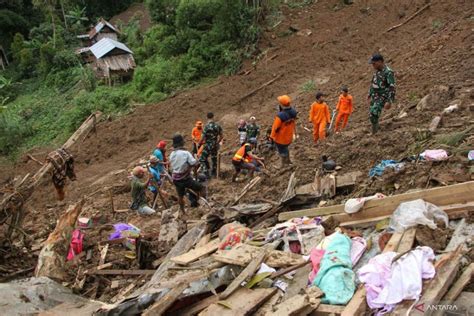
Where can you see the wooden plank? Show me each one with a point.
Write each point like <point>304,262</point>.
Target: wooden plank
<point>160,306</point>
<point>198,306</point>
<point>248,272</point>
<point>347,180</point>
<point>268,306</point>
<point>204,240</point>
<point>358,304</point>
<point>289,269</point>
<point>407,241</point>
<point>247,188</point>
<point>292,306</point>
<point>243,302</point>
<point>435,289</point>
<point>453,194</point>
<point>364,222</point>
<point>242,254</point>
<point>121,272</point>
<point>282,259</point>
<point>457,287</point>
<point>197,253</point>
<point>103,255</point>
<point>326,309</point>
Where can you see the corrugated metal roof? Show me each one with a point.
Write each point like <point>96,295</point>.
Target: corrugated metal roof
<point>105,45</point>
<point>99,26</point>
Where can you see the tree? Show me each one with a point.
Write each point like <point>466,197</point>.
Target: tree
<point>49,7</point>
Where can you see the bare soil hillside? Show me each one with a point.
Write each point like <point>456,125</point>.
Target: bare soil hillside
<point>329,44</point>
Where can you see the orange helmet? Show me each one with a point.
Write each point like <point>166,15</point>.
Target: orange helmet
<point>284,100</point>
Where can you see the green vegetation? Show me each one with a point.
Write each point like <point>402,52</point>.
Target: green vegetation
<point>47,92</point>
<point>308,86</point>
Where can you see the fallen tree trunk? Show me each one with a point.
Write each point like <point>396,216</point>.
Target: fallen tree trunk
<point>52,257</point>
<point>11,207</point>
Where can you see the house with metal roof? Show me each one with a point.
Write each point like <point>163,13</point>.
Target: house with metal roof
<point>112,59</point>
<point>103,29</point>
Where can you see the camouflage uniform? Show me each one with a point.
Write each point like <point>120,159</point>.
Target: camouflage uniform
<point>253,130</point>
<point>382,90</point>
<point>211,134</point>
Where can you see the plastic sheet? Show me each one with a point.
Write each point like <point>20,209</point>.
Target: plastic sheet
<point>416,212</point>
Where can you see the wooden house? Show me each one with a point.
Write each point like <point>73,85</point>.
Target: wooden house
<point>112,59</point>
<point>102,29</point>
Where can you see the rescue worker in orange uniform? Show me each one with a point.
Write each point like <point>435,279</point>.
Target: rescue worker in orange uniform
<point>283,128</point>
<point>196,136</point>
<point>244,159</point>
<point>344,109</point>
<point>319,116</point>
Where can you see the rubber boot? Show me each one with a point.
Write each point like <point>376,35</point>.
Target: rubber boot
<point>288,160</point>
<point>375,128</point>
<point>283,162</point>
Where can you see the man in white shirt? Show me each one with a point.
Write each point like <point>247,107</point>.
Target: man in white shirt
<point>182,163</point>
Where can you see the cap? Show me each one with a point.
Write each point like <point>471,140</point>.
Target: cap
<point>284,100</point>
<point>253,118</point>
<point>161,144</point>
<point>375,57</point>
<point>319,94</point>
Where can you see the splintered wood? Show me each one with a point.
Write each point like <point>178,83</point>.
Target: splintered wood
<point>196,253</point>
<point>242,254</point>
<point>243,302</point>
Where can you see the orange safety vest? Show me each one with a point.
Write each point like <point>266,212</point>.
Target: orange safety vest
<point>240,154</point>
<point>196,135</point>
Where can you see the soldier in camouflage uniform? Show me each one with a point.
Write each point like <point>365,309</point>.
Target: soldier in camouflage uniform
<point>211,137</point>
<point>253,131</point>
<point>382,90</point>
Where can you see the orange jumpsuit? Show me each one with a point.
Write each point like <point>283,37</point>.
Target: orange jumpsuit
<point>319,116</point>
<point>344,110</point>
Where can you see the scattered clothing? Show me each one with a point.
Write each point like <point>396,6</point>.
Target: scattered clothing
<point>417,212</point>
<point>434,155</point>
<point>232,234</point>
<point>76,245</point>
<point>320,117</point>
<point>306,232</point>
<point>358,247</point>
<point>379,169</point>
<point>344,110</point>
<point>127,231</point>
<point>470,155</point>
<point>63,164</point>
<point>387,283</point>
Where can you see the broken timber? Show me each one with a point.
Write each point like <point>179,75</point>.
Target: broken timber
<point>251,93</point>
<point>246,189</point>
<point>253,266</point>
<point>243,302</point>
<point>196,253</point>
<point>452,194</point>
<point>12,204</point>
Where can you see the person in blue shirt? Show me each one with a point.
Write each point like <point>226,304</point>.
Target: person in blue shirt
<point>155,179</point>
<point>160,154</point>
